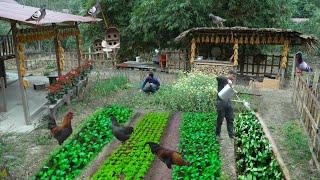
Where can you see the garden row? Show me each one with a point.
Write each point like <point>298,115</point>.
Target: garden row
<point>68,161</point>
<point>254,158</point>
<point>199,146</point>
<point>133,158</point>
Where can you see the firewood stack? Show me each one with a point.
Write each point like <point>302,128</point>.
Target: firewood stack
<point>214,69</point>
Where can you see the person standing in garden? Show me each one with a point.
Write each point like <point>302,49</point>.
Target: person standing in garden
<point>224,108</point>
<point>151,84</point>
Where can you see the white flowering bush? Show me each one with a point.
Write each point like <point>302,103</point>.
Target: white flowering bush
<point>193,92</point>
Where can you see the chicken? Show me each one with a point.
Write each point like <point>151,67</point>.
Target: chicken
<point>94,10</point>
<point>61,133</point>
<point>38,15</point>
<point>121,133</point>
<point>167,156</point>
<point>217,20</point>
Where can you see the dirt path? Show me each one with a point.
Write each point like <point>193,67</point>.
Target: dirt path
<point>170,140</point>
<point>279,113</point>
<point>106,151</point>
<point>227,154</point>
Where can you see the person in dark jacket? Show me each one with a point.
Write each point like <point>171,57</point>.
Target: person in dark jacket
<point>224,108</point>
<point>151,84</point>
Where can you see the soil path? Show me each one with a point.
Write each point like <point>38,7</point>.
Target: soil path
<point>227,153</point>
<point>106,151</point>
<point>279,113</point>
<point>170,140</point>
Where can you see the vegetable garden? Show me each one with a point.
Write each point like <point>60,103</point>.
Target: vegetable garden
<point>197,145</point>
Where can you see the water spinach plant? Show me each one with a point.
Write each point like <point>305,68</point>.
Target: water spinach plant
<point>199,146</point>
<point>254,159</point>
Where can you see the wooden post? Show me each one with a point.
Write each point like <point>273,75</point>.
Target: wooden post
<point>22,89</point>
<point>57,47</point>
<point>3,72</point>
<point>3,95</point>
<point>78,45</point>
<point>193,51</point>
<point>235,53</point>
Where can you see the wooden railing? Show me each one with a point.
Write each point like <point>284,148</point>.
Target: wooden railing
<point>308,106</point>
<point>6,47</point>
<point>260,64</point>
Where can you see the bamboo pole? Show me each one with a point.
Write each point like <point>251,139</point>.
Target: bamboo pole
<point>78,45</point>
<point>22,89</point>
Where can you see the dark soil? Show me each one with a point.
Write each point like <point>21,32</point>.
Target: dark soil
<point>169,140</point>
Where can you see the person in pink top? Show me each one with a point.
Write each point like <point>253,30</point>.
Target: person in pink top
<point>301,65</point>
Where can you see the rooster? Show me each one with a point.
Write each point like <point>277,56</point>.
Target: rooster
<point>167,156</point>
<point>61,133</point>
<point>121,133</point>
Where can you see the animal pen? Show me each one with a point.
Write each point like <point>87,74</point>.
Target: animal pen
<point>54,26</point>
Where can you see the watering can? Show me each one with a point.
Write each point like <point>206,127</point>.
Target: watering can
<point>227,93</point>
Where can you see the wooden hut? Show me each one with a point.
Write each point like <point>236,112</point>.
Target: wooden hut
<point>54,26</point>
<point>226,42</point>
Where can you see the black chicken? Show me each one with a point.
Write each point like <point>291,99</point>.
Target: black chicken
<point>167,156</point>
<point>61,133</point>
<point>121,133</point>
<point>38,15</point>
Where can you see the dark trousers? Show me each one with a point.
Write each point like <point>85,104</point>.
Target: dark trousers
<point>150,88</point>
<point>225,110</point>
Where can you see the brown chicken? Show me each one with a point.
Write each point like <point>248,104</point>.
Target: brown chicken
<point>167,156</point>
<point>61,133</point>
<point>121,133</point>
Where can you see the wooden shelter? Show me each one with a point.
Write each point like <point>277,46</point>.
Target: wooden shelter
<point>55,25</point>
<point>235,37</point>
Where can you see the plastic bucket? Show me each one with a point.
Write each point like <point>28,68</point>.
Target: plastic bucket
<point>226,93</point>
<point>138,59</point>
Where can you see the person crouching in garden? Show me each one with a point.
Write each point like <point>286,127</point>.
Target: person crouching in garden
<point>150,85</point>
<point>224,108</point>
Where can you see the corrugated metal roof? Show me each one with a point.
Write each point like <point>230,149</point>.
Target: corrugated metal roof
<point>11,10</point>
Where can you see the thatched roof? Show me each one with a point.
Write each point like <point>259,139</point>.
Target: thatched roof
<point>296,38</point>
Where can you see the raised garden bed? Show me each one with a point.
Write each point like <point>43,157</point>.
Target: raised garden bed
<point>198,146</point>
<point>68,161</point>
<point>133,158</point>
<point>254,155</point>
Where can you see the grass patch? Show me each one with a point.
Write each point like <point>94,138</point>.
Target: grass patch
<point>296,141</point>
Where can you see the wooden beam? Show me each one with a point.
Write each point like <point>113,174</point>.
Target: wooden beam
<point>78,46</point>
<point>57,47</point>
<point>3,72</point>
<point>22,89</point>
<point>274,148</point>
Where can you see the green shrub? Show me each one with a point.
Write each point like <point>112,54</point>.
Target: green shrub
<point>194,92</point>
